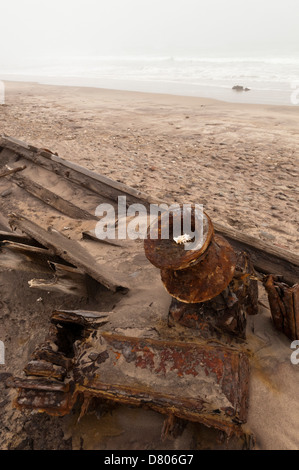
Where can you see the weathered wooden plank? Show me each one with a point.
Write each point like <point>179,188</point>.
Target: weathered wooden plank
<point>67,280</point>
<point>89,235</point>
<point>41,368</point>
<point>15,237</point>
<point>266,258</point>
<point>107,186</point>
<point>71,251</point>
<point>52,199</point>
<point>11,171</point>
<point>85,178</point>
<point>23,248</point>
<point>84,318</point>
<point>22,257</point>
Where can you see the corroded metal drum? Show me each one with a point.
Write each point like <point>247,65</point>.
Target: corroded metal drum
<point>190,275</point>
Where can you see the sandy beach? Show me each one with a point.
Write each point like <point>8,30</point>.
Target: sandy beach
<point>239,160</point>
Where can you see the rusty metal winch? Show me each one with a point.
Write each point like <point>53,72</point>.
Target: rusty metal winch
<point>209,282</point>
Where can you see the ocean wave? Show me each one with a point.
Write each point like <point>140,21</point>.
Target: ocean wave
<point>254,72</point>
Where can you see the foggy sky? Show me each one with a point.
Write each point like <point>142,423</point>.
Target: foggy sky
<point>56,28</point>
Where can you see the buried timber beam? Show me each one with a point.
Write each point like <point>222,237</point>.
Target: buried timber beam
<point>167,376</point>
<point>52,199</point>
<point>170,377</point>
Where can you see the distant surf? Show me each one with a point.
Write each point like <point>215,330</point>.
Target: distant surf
<point>272,80</point>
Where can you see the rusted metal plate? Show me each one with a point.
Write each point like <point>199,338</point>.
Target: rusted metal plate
<point>196,381</point>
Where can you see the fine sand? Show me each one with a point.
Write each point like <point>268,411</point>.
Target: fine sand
<point>240,161</point>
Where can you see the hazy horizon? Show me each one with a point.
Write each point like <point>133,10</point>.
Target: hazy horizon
<point>199,28</point>
<point>195,47</point>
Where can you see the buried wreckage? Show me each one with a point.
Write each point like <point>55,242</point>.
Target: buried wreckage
<point>178,349</point>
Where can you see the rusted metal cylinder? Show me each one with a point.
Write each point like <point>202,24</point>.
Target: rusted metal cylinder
<point>212,287</point>
<point>190,275</point>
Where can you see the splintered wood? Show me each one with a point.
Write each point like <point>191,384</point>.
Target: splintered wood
<point>66,280</point>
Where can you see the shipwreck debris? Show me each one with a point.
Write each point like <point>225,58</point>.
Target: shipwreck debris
<point>10,171</point>
<point>195,367</point>
<point>52,199</point>
<point>67,280</point>
<point>160,246</point>
<point>266,258</point>
<point>284,305</point>
<point>23,257</point>
<point>196,275</point>
<point>205,278</point>
<point>240,88</point>
<point>70,251</point>
<point>225,314</point>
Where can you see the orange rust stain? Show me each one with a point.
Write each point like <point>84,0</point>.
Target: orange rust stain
<point>117,356</point>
